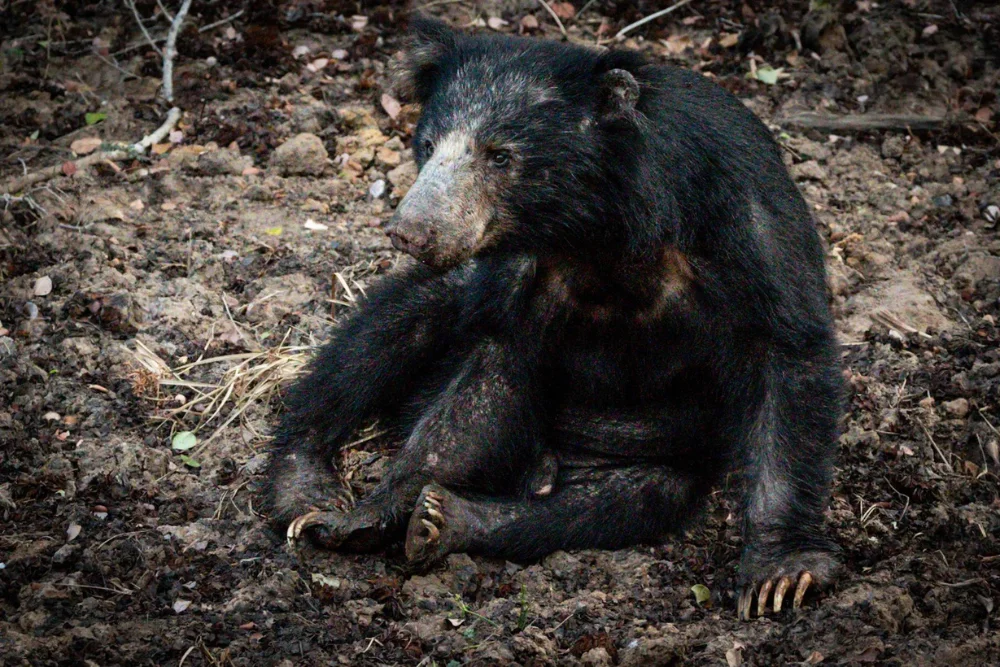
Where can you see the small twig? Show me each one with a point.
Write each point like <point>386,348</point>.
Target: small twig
<point>867,122</point>
<point>944,459</point>
<point>962,584</point>
<point>164,10</point>
<point>170,51</point>
<point>652,17</point>
<point>112,63</point>
<point>119,153</point>
<point>555,17</point>
<point>138,19</point>
<point>216,24</point>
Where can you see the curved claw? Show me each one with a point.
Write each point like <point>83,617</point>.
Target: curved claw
<point>763,595</point>
<point>299,524</point>
<point>745,603</point>
<point>779,592</point>
<point>805,579</point>
<point>433,534</point>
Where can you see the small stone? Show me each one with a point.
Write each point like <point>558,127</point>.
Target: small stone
<point>302,155</point>
<point>892,147</point>
<point>809,169</point>
<point>926,402</point>
<point>596,657</point>
<point>958,408</point>
<point>992,213</point>
<point>64,553</point>
<point>43,286</point>
<point>402,178</point>
<point>387,158</point>
<point>376,189</point>
<point>943,201</point>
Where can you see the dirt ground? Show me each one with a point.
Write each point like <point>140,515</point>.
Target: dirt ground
<point>142,298</point>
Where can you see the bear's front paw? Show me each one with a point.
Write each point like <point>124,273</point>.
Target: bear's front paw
<point>802,572</point>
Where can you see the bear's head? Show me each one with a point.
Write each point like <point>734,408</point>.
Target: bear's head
<point>512,142</point>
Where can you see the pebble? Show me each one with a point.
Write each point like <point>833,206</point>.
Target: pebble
<point>376,189</point>
<point>992,213</point>
<point>302,155</point>
<point>958,408</point>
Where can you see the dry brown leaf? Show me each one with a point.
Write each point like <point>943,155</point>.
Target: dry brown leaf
<point>391,106</point>
<point>68,168</point>
<point>160,149</point>
<point>728,40</point>
<point>564,10</point>
<point>85,145</point>
<point>677,44</point>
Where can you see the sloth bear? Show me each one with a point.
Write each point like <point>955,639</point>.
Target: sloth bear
<point>620,300</point>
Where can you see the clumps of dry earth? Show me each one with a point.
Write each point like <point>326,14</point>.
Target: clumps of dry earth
<point>141,299</point>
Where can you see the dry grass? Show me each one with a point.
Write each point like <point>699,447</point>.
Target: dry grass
<point>251,378</point>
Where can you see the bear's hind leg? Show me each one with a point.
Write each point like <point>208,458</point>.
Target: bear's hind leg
<point>609,508</point>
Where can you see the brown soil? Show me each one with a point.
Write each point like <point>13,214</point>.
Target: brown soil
<point>114,550</point>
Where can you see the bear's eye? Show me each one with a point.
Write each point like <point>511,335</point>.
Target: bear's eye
<point>501,159</point>
<point>428,146</point>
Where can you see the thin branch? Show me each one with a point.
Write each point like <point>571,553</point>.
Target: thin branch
<point>138,19</point>
<point>216,24</point>
<point>555,17</point>
<point>164,10</point>
<point>867,122</point>
<point>170,51</point>
<point>121,152</point>
<point>652,17</point>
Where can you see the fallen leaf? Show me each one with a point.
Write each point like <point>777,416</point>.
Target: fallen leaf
<point>496,23</point>
<point>391,105</point>
<point>318,64</point>
<point>300,51</point>
<point>43,286</point>
<point>358,23</point>
<point>160,149</point>
<point>728,40</point>
<point>94,117</point>
<point>325,580</point>
<point>51,416</point>
<point>455,622</point>
<point>250,171</point>
<point>701,594</point>
<point>136,205</point>
<point>168,206</point>
<point>315,226</point>
<point>73,531</point>
<point>273,231</point>
<point>930,30</point>
<point>984,114</point>
<point>176,137</point>
<point>769,75</point>
<point>677,44</point>
<point>564,10</point>
<point>529,22</point>
<point>338,54</point>
<point>68,168</point>
<point>183,441</point>
<point>85,145</point>
<point>181,605</point>
<point>815,657</point>
<point>189,462</point>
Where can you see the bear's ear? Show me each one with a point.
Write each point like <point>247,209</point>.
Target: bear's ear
<point>619,93</point>
<point>429,42</point>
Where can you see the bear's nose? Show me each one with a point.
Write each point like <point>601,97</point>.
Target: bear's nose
<point>409,241</point>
